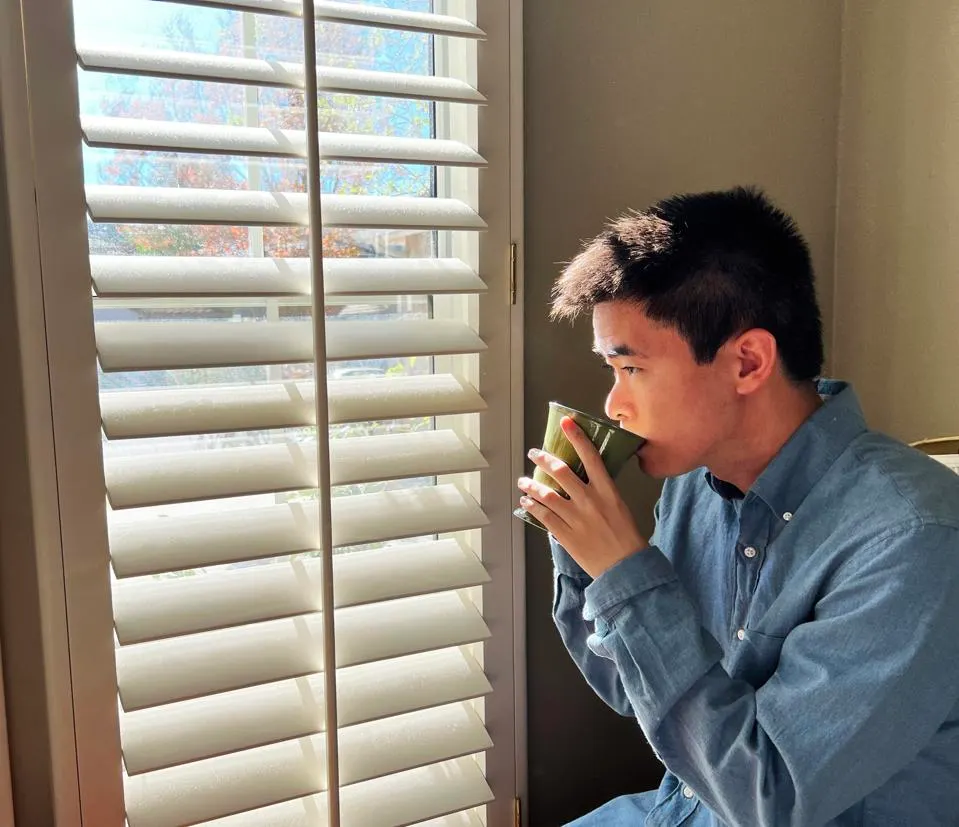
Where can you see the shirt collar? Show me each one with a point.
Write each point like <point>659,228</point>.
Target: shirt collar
<point>807,454</point>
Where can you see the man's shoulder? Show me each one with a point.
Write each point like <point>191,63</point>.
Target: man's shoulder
<point>893,482</point>
<point>875,476</point>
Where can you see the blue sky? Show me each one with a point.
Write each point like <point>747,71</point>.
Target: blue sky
<point>130,22</point>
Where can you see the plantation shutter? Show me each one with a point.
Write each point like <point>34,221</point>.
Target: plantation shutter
<point>212,394</point>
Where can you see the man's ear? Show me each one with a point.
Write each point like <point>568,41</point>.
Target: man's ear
<point>755,354</point>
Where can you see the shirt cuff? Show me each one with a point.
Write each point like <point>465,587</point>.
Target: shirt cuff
<point>638,573</point>
<point>565,564</point>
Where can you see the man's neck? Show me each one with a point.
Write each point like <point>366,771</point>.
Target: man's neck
<point>767,424</point>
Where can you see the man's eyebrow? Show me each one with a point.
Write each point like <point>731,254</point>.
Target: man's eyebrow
<point>617,350</point>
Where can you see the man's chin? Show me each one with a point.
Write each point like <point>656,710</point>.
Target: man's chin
<point>658,468</point>
<point>648,465</point>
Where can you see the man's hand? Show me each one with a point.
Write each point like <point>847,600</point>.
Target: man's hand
<point>593,525</point>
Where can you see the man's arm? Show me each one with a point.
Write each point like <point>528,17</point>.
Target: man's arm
<point>859,690</point>
<point>569,584</point>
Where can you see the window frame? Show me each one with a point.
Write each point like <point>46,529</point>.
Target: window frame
<point>60,519</point>
<point>6,790</point>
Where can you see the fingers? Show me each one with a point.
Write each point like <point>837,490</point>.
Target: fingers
<point>553,500</point>
<point>592,461</point>
<point>540,500</point>
<point>558,470</point>
<point>554,524</point>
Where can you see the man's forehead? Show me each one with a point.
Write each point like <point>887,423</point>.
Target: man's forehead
<point>622,329</point>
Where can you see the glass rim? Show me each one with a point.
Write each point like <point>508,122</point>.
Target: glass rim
<point>602,420</point>
<point>607,423</point>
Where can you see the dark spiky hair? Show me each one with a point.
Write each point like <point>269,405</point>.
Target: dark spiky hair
<point>711,265</point>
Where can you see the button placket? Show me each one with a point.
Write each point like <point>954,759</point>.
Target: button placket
<point>749,553</point>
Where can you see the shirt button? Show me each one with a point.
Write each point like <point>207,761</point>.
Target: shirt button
<point>741,634</point>
<point>750,552</point>
<point>788,516</point>
<point>687,792</point>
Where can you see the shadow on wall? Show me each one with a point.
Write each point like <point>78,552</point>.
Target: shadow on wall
<point>582,753</point>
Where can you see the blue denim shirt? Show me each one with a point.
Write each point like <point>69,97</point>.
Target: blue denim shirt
<point>792,655</point>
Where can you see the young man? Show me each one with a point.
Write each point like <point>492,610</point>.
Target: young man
<point>788,639</point>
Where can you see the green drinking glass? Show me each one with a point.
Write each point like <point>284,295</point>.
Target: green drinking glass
<point>614,444</point>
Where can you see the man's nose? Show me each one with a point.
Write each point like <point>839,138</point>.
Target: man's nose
<point>614,404</point>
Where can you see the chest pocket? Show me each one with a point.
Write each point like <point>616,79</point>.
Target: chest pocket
<point>754,658</point>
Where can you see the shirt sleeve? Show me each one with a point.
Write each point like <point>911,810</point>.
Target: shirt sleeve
<point>569,585</point>
<point>858,691</point>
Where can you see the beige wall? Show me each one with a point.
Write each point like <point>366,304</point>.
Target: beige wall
<point>897,298</point>
<point>628,101</point>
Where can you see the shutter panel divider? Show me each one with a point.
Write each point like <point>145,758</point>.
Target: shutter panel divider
<point>332,654</point>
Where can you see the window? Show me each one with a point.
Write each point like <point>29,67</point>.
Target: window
<point>293,482</point>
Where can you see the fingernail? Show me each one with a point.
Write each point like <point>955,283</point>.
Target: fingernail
<point>525,501</point>
<point>533,453</point>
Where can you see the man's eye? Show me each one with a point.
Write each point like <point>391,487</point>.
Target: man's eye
<point>629,370</point>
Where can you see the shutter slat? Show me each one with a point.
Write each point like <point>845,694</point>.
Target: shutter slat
<point>465,818</point>
<point>255,72</point>
<point>164,671</point>
<point>126,346</point>
<point>115,204</point>
<point>414,797</point>
<point>231,408</point>
<point>174,543</point>
<point>192,66</point>
<point>183,276</point>
<point>258,777</point>
<point>172,136</point>
<point>386,18</point>
<point>189,731</point>
<point>161,479</point>
<point>148,609</point>
<point>444,789</point>
<point>360,15</point>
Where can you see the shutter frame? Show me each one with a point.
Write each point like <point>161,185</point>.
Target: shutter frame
<point>251,209</point>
